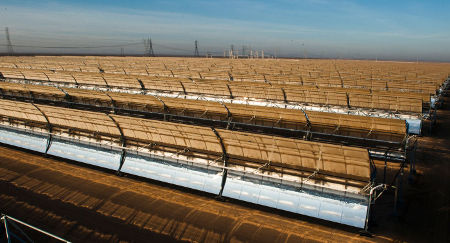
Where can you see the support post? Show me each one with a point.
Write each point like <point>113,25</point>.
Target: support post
<point>113,102</point>
<point>342,81</point>
<point>348,100</point>
<point>229,115</point>
<point>366,232</point>
<point>229,90</point>
<point>373,175</point>
<point>225,163</point>
<point>66,95</point>
<point>398,192</point>
<point>49,128</point>
<point>76,82</point>
<point>284,95</point>
<point>412,161</point>
<point>31,95</point>
<point>398,183</point>
<point>23,75</point>
<point>385,166</point>
<point>107,85</point>
<point>48,79</point>
<point>184,89</point>
<point>123,143</point>
<point>165,107</point>
<point>308,126</point>
<point>141,84</point>
<point>230,76</point>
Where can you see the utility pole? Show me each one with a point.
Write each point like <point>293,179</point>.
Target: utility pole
<point>196,54</point>
<point>8,43</point>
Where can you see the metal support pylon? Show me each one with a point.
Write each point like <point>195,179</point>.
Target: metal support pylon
<point>149,48</point>
<point>196,54</point>
<point>8,43</point>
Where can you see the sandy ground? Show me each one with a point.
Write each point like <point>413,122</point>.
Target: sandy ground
<point>85,204</point>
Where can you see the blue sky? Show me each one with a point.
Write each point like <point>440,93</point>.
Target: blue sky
<point>318,28</point>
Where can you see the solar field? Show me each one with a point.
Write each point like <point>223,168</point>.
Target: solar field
<point>310,137</point>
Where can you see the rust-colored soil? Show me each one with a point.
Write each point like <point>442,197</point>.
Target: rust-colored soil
<point>84,204</point>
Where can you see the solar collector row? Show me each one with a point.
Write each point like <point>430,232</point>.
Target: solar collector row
<point>420,86</point>
<point>353,70</point>
<point>358,98</point>
<point>330,123</point>
<point>241,147</point>
<point>259,66</point>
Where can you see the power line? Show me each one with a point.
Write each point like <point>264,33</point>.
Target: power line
<point>147,44</point>
<point>75,47</point>
<point>150,45</point>
<point>173,48</point>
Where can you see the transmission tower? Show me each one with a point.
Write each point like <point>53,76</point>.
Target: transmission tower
<point>196,49</point>
<point>8,42</point>
<point>232,51</point>
<point>304,51</point>
<point>148,48</point>
<point>151,53</point>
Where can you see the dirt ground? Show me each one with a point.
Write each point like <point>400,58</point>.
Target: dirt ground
<point>85,204</point>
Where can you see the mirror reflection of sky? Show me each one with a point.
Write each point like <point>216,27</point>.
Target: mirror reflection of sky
<point>382,29</point>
